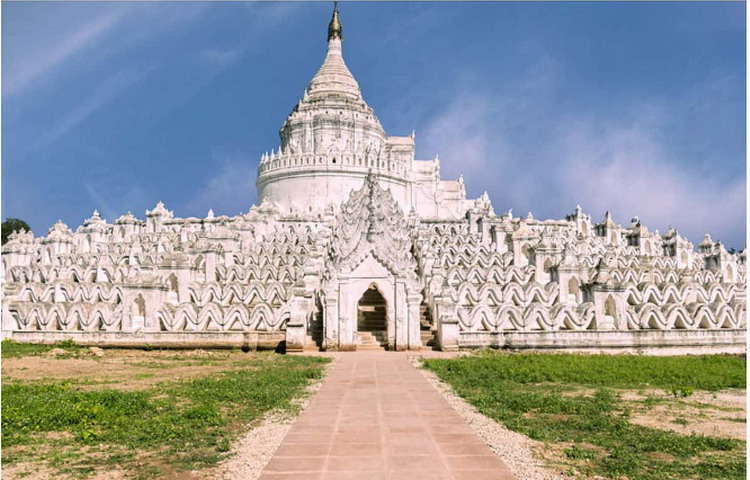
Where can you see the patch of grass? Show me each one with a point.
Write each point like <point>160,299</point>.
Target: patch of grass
<point>706,372</point>
<point>11,348</point>
<point>167,362</point>
<point>182,425</point>
<point>152,364</point>
<point>736,420</point>
<point>711,406</point>
<point>525,393</point>
<point>681,392</point>
<point>579,453</point>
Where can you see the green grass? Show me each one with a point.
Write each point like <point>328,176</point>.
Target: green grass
<point>184,425</point>
<point>708,372</point>
<point>15,349</point>
<point>532,394</point>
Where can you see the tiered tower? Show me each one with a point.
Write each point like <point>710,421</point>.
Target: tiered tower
<point>332,139</point>
<point>398,259</point>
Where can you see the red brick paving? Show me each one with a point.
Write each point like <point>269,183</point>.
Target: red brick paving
<point>376,417</point>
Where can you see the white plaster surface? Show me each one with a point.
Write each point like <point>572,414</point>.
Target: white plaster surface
<point>342,207</point>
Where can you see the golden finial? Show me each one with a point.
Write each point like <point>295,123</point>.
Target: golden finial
<point>334,28</point>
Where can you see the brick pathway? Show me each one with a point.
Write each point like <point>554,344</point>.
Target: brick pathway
<point>377,417</point>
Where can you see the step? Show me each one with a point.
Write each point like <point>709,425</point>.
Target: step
<point>425,317</point>
<point>374,333</point>
<point>310,345</point>
<point>429,339</point>
<point>377,347</point>
<point>370,339</point>
<point>364,328</point>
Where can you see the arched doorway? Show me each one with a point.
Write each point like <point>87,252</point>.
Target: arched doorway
<point>574,290</point>
<point>610,313</point>
<point>372,324</point>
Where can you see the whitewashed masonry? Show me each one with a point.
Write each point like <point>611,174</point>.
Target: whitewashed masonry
<point>356,244</point>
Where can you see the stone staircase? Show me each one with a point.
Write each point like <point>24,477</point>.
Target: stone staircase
<point>429,340</point>
<point>314,338</point>
<point>371,335</point>
<point>371,340</point>
<point>371,318</point>
<point>310,344</point>
<point>427,334</point>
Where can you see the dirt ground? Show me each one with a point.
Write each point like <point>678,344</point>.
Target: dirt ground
<point>720,414</point>
<point>134,370</point>
<point>121,368</point>
<point>716,414</point>
<point>33,471</point>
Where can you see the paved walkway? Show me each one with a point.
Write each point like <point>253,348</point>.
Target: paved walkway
<point>377,417</point>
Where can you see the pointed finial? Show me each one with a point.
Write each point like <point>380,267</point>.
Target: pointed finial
<point>334,28</point>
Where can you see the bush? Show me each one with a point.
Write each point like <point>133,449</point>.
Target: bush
<point>11,225</point>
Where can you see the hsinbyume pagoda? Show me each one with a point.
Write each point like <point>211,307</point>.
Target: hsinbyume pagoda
<point>355,244</point>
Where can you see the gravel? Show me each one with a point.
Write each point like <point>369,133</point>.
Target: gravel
<point>56,352</point>
<point>514,449</point>
<point>251,453</point>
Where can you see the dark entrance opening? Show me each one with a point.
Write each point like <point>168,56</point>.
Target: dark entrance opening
<point>371,311</point>
<point>371,319</point>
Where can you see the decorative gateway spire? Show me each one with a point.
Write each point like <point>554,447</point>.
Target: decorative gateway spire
<point>334,28</point>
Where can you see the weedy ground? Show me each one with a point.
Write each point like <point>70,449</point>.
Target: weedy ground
<point>11,349</point>
<point>616,416</point>
<point>135,413</point>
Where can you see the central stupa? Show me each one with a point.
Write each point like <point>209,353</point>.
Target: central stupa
<point>356,245</point>
<point>332,139</point>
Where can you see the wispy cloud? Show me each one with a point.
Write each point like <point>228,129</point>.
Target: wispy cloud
<point>622,162</point>
<point>35,55</point>
<point>106,92</point>
<point>270,14</point>
<point>113,200</point>
<point>220,57</point>
<point>263,16</point>
<point>34,66</point>
<point>630,172</point>
<point>231,190</point>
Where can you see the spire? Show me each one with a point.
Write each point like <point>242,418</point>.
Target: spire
<point>334,28</point>
<point>334,76</point>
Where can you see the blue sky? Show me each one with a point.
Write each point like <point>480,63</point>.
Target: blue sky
<point>638,108</point>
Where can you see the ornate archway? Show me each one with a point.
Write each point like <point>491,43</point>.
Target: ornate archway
<point>371,311</point>
<point>372,319</point>
<point>370,283</point>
